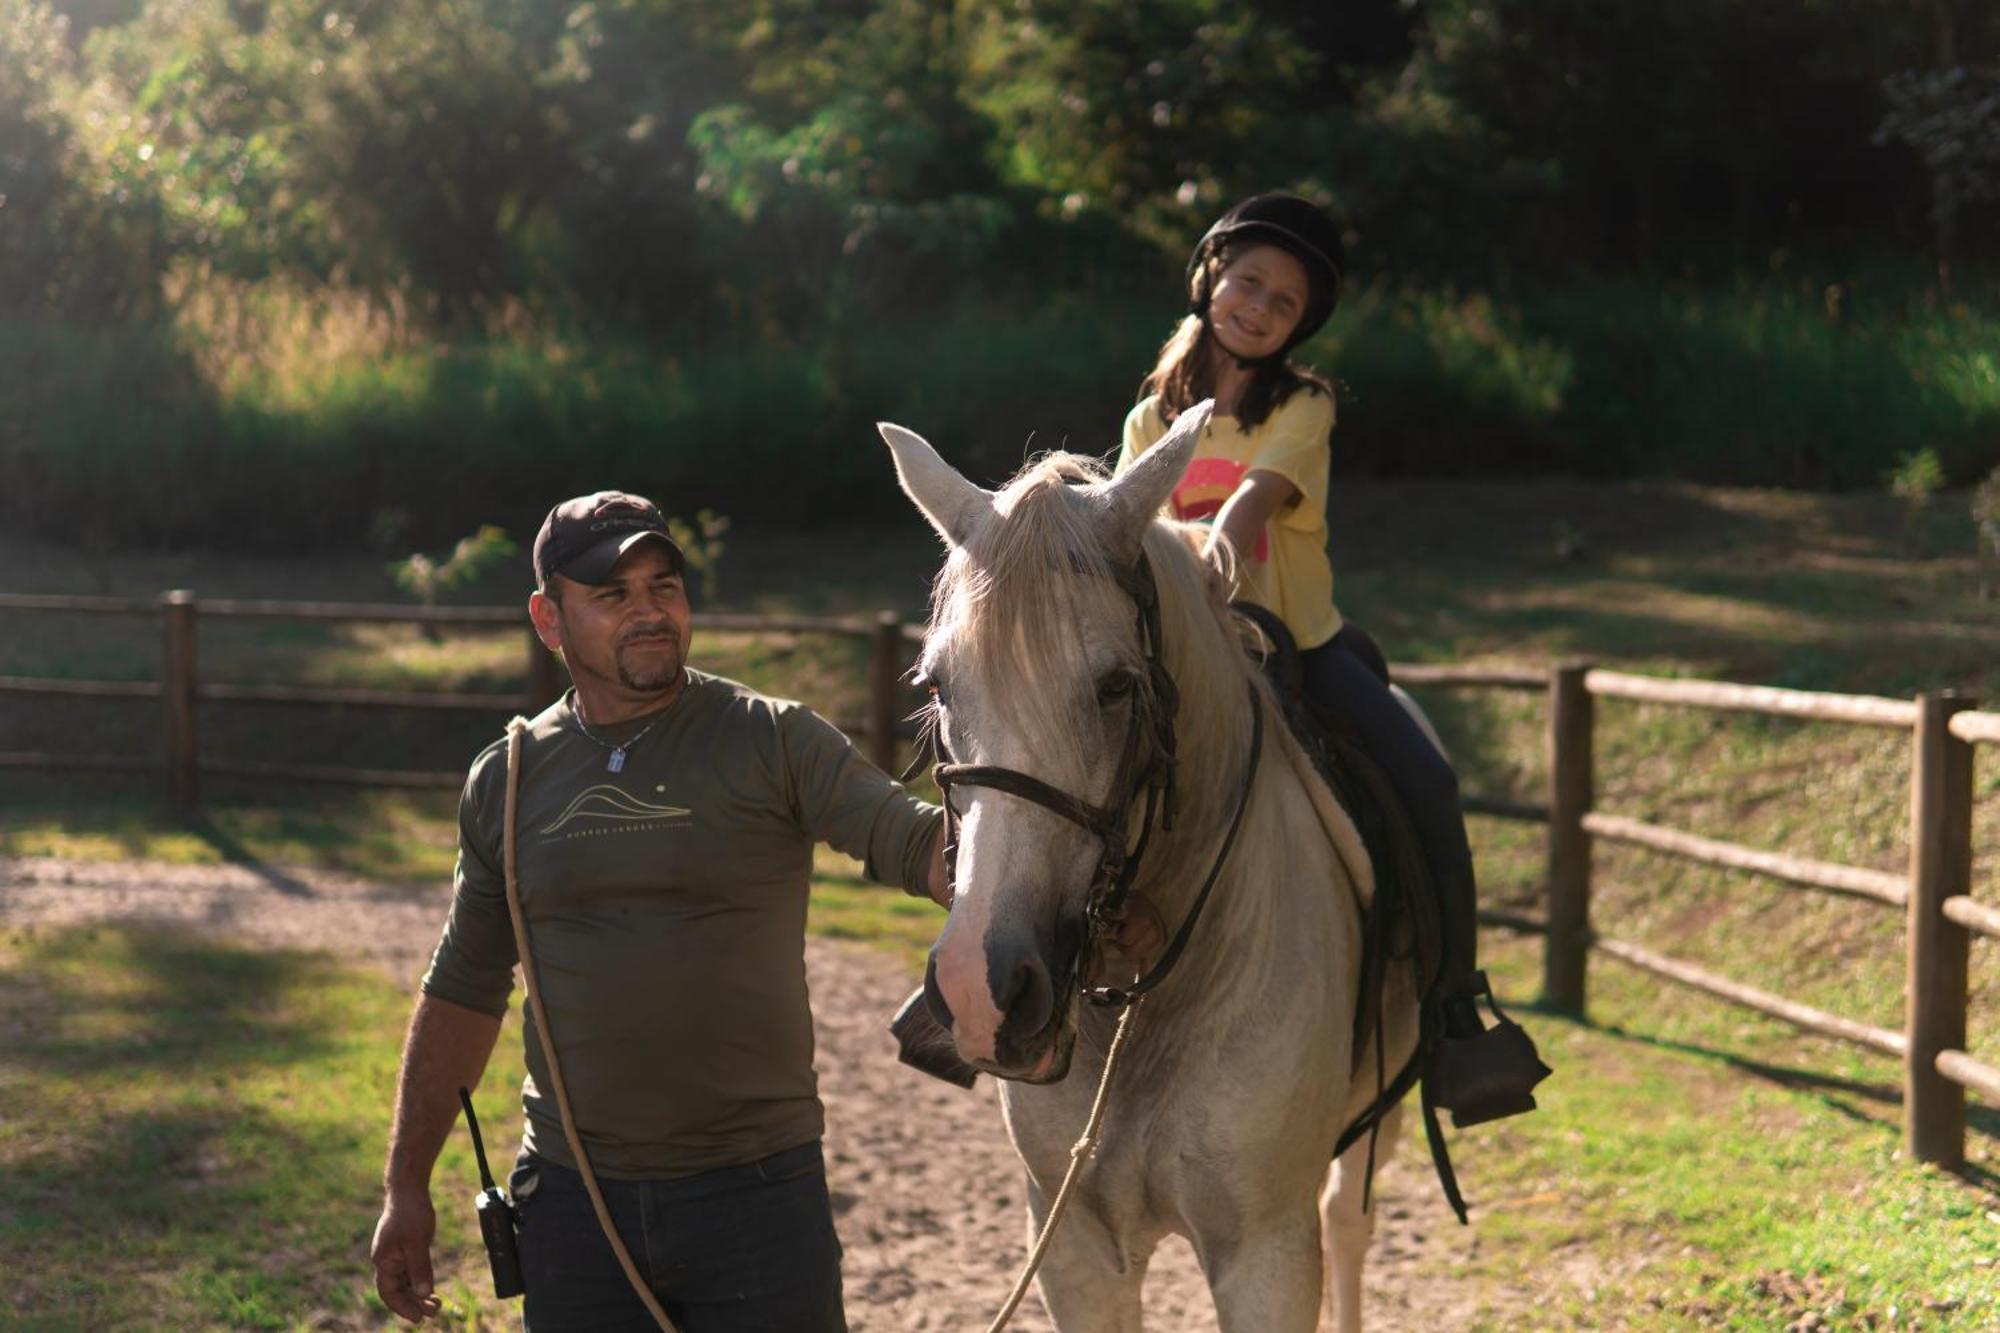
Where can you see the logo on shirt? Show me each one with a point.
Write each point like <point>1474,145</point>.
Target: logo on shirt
<point>1205,487</point>
<point>613,805</point>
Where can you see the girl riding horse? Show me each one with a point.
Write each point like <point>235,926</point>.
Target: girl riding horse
<point>1262,280</point>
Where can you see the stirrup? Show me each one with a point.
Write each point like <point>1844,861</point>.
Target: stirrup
<point>1486,1075</point>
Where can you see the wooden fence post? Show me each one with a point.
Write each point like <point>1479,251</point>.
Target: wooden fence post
<point>544,675</point>
<point>1940,866</point>
<point>1571,787</point>
<point>177,696</point>
<point>885,668</point>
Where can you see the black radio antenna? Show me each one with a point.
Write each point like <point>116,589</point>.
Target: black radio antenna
<point>478,1147</point>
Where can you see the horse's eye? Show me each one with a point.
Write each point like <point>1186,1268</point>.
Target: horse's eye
<point>930,684</point>
<point>1114,686</point>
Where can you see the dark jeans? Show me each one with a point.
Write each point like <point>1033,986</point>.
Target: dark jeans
<point>1338,675</point>
<point>742,1249</point>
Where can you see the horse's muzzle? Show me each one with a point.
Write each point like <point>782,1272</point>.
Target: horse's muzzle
<point>1038,1037</point>
<point>1033,986</point>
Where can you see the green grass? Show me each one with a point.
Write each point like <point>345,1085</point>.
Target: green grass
<point>846,906</point>
<point>1695,1166</point>
<point>399,838</point>
<point>193,1128</point>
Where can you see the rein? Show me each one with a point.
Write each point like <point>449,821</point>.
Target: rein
<point>1119,997</point>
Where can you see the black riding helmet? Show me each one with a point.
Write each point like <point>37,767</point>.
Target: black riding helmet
<point>1297,226</point>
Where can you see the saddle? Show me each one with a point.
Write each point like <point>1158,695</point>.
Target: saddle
<point>1479,1076</point>
<point>1405,921</point>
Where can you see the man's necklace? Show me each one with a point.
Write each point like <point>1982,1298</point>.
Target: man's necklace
<point>616,763</point>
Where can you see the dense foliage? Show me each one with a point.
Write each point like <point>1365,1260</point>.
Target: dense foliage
<point>1581,230</point>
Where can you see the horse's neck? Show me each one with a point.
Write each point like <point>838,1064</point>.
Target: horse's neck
<point>1280,884</point>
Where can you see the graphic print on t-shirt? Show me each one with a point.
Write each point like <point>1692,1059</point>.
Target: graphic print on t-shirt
<point>615,805</point>
<point>1205,487</point>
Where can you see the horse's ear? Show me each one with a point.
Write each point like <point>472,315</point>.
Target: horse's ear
<point>1134,496</point>
<point>955,507</point>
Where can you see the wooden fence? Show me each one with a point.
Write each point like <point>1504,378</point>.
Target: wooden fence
<point>1935,892</point>
<point>182,692</point>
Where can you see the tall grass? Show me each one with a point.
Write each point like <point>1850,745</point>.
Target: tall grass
<point>260,422</point>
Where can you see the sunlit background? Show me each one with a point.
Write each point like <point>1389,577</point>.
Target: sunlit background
<point>381,272</point>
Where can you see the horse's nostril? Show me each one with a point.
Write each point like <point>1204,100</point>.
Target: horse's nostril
<point>1026,997</point>
<point>934,997</point>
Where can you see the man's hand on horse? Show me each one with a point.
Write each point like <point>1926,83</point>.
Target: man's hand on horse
<point>938,883</point>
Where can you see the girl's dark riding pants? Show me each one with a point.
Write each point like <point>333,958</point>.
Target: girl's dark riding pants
<point>1340,675</point>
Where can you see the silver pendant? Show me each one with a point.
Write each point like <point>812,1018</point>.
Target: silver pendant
<point>616,763</point>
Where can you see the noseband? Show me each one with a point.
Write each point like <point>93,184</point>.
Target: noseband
<point>1146,769</point>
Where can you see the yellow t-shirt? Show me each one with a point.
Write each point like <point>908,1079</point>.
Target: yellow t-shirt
<point>1288,571</point>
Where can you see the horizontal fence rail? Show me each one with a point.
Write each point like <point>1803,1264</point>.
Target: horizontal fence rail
<point>1935,893</point>
<point>1975,727</point>
<point>1858,709</point>
<point>1469,677</point>
<point>1879,885</point>
<point>85,689</point>
<point>344,777</point>
<point>345,697</point>
<point>1972,915</point>
<point>96,606</point>
<point>389,613</point>
<point>1969,1073</point>
<point>79,763</point>
<point>1501,807</point>
<point>1749,997</point>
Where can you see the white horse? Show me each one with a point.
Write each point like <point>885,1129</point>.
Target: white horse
<point>1235,1083</point>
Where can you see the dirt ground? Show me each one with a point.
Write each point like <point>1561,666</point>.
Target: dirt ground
<point>925,1185</point>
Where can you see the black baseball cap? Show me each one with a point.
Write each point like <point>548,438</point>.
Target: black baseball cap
<point>582,539</point>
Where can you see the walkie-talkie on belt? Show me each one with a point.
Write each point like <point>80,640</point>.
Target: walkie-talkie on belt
<point>496,1217</point>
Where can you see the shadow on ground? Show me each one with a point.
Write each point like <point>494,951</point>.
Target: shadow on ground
<point>175,1129</point>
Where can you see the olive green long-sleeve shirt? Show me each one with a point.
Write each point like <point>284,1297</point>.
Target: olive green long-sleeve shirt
<point>666,911</point>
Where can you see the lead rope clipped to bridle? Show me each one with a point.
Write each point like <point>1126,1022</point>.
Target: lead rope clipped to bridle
<point>640,1288</point>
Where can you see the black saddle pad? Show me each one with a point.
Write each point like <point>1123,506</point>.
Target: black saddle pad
<point>1403,922</point>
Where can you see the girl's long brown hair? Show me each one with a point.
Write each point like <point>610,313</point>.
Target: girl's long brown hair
<point>1184,374</point>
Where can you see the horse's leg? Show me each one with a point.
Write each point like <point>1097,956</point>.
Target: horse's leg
<point>1089,1280</point>
<point>1265,1274</point>
<point>1345,1230</point>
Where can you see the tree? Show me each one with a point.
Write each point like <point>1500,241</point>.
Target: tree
<point>74,241</point>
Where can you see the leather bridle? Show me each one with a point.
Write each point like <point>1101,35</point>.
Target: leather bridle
<point>1146,771</point>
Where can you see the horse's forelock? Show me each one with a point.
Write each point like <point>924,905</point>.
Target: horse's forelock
<point>1040,566</point>
<point>1034,569</point>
